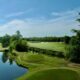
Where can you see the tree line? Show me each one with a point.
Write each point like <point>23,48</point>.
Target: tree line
<point>7,39</point>
<point>49,39</point>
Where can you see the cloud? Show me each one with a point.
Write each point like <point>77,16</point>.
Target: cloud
<point>55,14</point>
<point>19,13</point>
<point>15,14</point>
<point>66,13</point>
<point>12,26</point>
<point>30,27</point>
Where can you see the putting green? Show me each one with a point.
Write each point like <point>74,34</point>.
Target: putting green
<point>54,74</point>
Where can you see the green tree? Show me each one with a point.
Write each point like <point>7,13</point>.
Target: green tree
<point>5,40</point>
<point>66,39</point>
<point>13,40</point>
<point>21,45</point>
<point>78,18</point>
<point>74,49</point>
<point>18,34</point>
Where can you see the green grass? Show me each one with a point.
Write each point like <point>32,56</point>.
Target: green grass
<point>39,60</point>
<point>42,67</point>
<point>54,74</point>
<point>0,45</point>
<point>45,67</point>
<point>34,58</point>
<point>57,46</point>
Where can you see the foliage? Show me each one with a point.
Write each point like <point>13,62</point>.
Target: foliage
<point>46,51</point>
<point>16,42</point>
<point>66,39</point>
<point>16,36</point>
<point>5,40</point>
<point>74,50</point>
<point>46,39</point>
<point>21,45</point>
<point>75,53</point>
<point>5,57</point>
<point>78,18</point>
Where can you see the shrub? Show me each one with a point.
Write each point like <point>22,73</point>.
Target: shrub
<point>66,39</point>
<point>21,45</point>
<point>74,54</point>
<point>5,40</point>
<point>74,49</point>
<point>59,54</point>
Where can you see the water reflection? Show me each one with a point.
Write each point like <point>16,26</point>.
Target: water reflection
<point>9,70</point>
<point>5,57</point>
<point>11,61</point>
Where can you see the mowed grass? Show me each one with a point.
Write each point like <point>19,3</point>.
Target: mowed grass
<point>57,46</point>
<point>54,74</point>
<point>44,67</point>
<point>37,62</point>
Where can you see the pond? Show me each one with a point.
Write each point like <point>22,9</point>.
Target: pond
<point>9,70</point>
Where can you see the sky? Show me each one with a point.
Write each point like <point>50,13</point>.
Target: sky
<point>38,18</point>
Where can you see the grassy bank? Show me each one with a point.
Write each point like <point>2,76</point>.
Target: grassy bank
<point>39,63</point>
<point>45,67</point>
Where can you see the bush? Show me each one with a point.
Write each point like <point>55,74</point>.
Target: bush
<point>74,54</point>
<point>59,54</point>
<point>5,40</point>
<point>21,46</point>
<point>47,52</point>
<point>74,49</point>
<point>66,39</point>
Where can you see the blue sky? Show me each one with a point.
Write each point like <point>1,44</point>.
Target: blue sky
<point>39,17</point>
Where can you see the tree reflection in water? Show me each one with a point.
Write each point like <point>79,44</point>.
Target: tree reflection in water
<point>5,57</point>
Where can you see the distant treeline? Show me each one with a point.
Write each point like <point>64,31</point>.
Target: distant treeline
<point>50,39</point>
<point>5,40</point>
